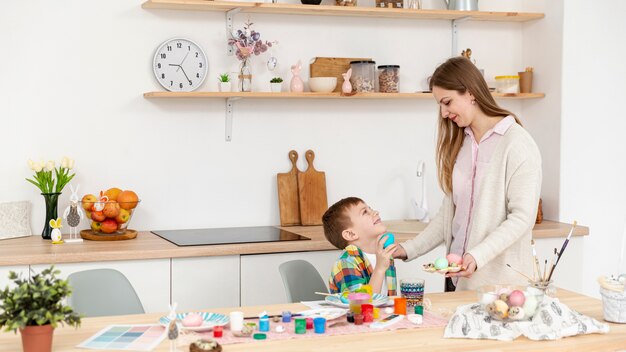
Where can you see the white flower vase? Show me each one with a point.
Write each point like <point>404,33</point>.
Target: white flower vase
<point>276,87</point>
<point>225,87</point>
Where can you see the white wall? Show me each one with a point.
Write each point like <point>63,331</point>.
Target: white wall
<point>74,73</point>
<point>593,146</point>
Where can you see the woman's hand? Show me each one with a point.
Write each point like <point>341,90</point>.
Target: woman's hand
<point>400,253</point>
<point>470,267</point>
<point>384,255</point>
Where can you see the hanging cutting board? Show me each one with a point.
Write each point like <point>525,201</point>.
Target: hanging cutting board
<point>332,67</point>
<point>312,193</point>
<point>288,202</point>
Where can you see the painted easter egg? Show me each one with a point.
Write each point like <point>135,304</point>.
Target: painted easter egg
<point>390,239</point>
<point>502,309</point>
<point>454,258</point>
<point>192,320</point>
<point>56,236</point>
<point>516,313</point>
<point>441,263</point>
<point>530,306</point>
<point>517,298</point>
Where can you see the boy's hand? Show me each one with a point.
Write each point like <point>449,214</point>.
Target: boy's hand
<point>383,255</point>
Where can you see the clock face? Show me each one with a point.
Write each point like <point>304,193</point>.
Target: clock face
<point>180,65</point>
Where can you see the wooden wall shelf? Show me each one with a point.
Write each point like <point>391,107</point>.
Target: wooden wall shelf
<point>330,10</point>
<point>311,95</point>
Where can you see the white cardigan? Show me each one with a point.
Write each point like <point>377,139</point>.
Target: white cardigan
<point>503,216</point>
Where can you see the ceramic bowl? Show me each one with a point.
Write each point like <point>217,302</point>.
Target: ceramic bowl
<point>498,302</point>
<point>322,84</point>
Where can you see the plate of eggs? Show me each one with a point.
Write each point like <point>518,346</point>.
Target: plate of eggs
<point>451,263</point>
<point>510,302</point>
<point>197,321</point>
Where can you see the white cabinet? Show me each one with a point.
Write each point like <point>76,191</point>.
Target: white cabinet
<point>433,282</point>
<point>205,282</point>
<point>150,278</point>
<point>4,274</point>
<point>260,279</point>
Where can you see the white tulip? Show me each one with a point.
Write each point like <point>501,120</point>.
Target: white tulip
<point>70,164</point>
<point>31,164</point>
<point>64,163</point>
<point>50,165</point>
<point>37,166</point>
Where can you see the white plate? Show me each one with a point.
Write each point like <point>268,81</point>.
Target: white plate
<point>328,313</point>
<point>377,301</point>
<point>209,320</point>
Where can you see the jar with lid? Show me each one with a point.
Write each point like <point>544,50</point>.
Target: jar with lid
<point>389,78</point>
<point>363,76</point>
<point>507,84</point>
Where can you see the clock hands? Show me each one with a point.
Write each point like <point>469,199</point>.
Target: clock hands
<point>181,63</point>
<point>179,66</point>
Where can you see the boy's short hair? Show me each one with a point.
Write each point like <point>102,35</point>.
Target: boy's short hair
<point>336,220</point>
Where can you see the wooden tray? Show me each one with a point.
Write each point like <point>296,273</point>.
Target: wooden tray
<point>90,235</point>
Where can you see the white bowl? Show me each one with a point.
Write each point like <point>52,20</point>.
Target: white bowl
<point>322,84</point>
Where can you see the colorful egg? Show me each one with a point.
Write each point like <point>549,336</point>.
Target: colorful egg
<point>192,320</point>
<point>441,263</point>
<point>516,313</point>
<point>517,298</point>
<point>502,309</point>
<point>454,258</point>
<point>530,306</point>
<point>390,239</point>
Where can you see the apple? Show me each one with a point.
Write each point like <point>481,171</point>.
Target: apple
<point>88,214</point>
<point>96,225</point>
<point>97,216</point>
<point>111,209</point>
<point>123,216</point>
<point>109,226</point>
<point>88,200</point>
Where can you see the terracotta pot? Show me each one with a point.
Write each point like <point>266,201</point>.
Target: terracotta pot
<point>37,338</point>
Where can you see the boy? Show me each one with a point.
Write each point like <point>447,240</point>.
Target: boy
<point>353,226</point>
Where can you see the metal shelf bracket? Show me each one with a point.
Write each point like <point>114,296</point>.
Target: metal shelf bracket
<point>455,34</point>
<point>230,106</point>
<point>230,17</point>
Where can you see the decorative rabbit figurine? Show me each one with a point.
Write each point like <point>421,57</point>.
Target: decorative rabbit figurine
<point>73,214</point>
<point>346,87</point>
<point>296,82</point>
<point>56,236</point>
<point>172,328</point>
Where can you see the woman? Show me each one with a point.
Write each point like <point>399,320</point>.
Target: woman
<point>489,168</point>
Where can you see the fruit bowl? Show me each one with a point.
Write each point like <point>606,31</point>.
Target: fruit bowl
<point>110,217</point>
<point>510,302</point>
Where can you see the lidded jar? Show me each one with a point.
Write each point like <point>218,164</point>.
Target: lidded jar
<point>389,78</point>
<point>363,76</point>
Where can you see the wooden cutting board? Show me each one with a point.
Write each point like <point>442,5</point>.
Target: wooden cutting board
<point>288,202</point>
<point>312,193</point>
<point>332,67</point>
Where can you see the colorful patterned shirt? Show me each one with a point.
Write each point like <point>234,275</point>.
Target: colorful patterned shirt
<point>352,270</point>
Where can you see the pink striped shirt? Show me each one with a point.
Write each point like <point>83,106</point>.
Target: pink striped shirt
<point>470,166</point>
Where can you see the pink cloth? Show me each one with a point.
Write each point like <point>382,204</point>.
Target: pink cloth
<point>341,328</point>
<point>470,166</point>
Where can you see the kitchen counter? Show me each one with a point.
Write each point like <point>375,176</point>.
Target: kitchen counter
<point>430,339</point>
<point>33,250</point>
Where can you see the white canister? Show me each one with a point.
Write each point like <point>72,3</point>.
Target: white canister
<point>236,321</point>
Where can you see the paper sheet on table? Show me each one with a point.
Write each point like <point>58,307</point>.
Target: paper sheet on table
<point>126,338</point>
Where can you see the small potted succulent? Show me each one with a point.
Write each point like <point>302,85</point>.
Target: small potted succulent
<point>276,84</point>
<point>224,82</point>
<point>36,306</point>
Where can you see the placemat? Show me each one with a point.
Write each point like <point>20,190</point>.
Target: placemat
<point>340,328</point>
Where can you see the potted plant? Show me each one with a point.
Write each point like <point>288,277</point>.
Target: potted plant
<point>224,82</point>
<point>276,84</point>
<point>35,306</point>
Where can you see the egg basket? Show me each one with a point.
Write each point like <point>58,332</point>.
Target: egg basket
<point>614,305</point>
<point>510,302</point>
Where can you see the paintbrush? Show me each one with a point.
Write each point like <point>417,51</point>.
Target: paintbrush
<point>552,264</point>
<point>521,273</point>
<point>537,269</point>
<point>545,271</point>
<point>558,258</point>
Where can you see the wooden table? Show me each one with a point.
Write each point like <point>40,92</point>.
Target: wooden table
<point>66,338</point>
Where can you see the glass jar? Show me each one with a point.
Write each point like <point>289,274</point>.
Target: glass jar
<point>507,84</point>
<point>363,76</point>
<point>389,78</point>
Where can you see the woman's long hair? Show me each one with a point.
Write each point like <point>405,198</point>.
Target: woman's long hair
<point>459,74</point>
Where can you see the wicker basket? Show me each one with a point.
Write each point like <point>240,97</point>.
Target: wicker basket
<point>614,305</point>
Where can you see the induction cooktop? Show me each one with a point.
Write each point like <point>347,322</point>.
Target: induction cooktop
<point>229,235</point>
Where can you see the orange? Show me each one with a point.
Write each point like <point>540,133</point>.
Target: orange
<point>113,193</point>
<point>127,199</point>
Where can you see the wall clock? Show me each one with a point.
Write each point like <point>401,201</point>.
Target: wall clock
<point>180,65</point>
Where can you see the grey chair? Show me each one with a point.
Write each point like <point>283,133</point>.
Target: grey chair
<point>101,292</point>
<point>301,281</point>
